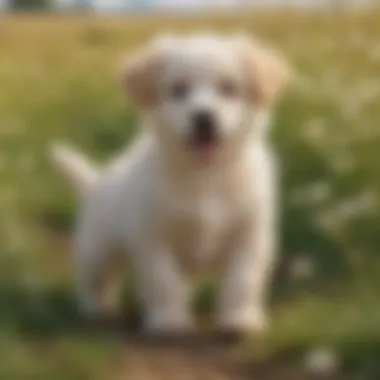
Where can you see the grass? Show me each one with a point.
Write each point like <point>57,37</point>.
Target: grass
<point>58,80</point>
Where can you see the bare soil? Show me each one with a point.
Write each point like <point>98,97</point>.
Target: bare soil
<point>200,357</point>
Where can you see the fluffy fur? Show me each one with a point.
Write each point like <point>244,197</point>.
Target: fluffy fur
<point>173,205</point>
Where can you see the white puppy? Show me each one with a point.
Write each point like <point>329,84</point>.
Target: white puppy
<point>197,187</point>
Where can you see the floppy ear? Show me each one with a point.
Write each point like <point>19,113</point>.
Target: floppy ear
<point>141,72</point>
<point>267,72</point>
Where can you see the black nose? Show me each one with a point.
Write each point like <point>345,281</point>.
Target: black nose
<point>204,125</point>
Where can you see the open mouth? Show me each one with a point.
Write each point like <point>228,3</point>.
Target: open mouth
<point>204,137</point>
<point>204,141</point>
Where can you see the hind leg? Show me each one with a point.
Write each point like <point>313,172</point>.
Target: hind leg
<point>96,290</point>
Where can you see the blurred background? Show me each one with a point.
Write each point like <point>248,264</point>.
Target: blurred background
<point>59,63</point>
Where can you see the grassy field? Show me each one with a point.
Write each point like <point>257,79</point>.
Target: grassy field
<point>58,80</point>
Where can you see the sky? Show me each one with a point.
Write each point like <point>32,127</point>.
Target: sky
<point>117,4</point>
<point>3,4</point>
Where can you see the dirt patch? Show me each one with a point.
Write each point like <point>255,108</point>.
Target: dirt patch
<point>194,358</point>
<point>201,357</point>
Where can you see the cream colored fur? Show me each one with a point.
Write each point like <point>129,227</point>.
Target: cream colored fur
<point>172,210</point>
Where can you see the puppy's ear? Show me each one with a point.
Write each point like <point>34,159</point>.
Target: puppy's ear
<point>267,72</point>
<point>141,71</point>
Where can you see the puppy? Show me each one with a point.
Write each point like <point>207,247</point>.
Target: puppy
<point>197,187</point>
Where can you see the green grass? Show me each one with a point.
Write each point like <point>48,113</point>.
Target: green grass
<point>58,80</point>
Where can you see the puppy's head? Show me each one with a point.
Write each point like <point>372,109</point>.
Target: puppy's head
<point>203,92</point>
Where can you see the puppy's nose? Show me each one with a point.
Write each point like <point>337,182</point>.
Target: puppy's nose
<point>204,123</point>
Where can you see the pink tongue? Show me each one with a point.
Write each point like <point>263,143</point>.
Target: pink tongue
<point>206,148</point>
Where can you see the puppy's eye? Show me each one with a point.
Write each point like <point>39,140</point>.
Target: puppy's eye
<point>228,88</point>
<point>179,90</point>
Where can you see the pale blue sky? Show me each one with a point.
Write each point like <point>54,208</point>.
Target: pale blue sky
<point>120,4</point>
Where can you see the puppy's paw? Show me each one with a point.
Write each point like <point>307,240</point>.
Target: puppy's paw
<point>94,310</point>
<point>90,308</point>
<point>240,323</point>
<point>166,325</point>
<point>98,319</point>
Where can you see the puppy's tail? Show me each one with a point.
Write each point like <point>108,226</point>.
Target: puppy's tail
<point>78,171</point>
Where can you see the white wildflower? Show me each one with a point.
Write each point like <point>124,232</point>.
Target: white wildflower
<point>302,267</point>
<point>316,128</point>
<point>317,192</point>
<point>357,39</point>
<point>351,208</point>
<point>320,191</point>
<point>375,53</point>
<point>343,163</point>
<point>321,361</point>
<point>329,220</point>
<point>350,108</point>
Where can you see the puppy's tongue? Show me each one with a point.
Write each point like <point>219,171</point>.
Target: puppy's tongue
<point>206,147</point>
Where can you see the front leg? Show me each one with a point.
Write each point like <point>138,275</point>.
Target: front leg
<point>163,290</point>
<point>242,303</point>
<point>243,298</point>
